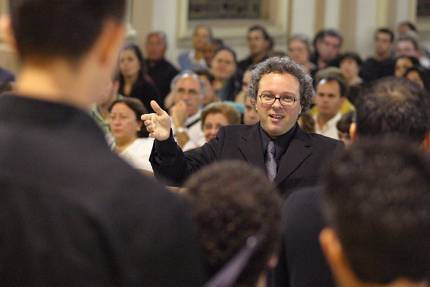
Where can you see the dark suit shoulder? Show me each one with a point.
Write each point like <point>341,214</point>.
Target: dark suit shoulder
<point>323,142</point>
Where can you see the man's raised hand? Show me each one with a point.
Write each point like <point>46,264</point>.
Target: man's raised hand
<point>157,124</point>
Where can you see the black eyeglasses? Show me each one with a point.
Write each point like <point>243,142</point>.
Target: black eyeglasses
<point>268,99</point>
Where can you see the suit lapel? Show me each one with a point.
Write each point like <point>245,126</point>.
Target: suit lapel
<point>300,148</point>
<point>250,147</point>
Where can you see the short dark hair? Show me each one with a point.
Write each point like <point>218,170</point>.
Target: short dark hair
<point>385,31</point>
<point>333,33</point>
<point>345,121</point>
<point>139,55</point>
<point>262,29</point>
<point>351,56</point>
<point>228,49</point>
<point>414,60</point>
<point>393,106</point>
<point>134,104</point>
<point>283,65</point>
<point>333,74</point>
<point>49,28</point>
<point>424,75</point>
<point>376,197</point>
<point>246,205</point>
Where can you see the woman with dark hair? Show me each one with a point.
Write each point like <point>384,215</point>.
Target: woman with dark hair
<point>125,125</point>
<point>225,72</point>
<point>419,76</point>
<point>133,78</point>
<point>402,63</point>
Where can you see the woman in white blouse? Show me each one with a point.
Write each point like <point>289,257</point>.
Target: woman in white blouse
<point>125,124</point>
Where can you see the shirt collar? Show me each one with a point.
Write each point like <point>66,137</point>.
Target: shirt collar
<point>281,143</point>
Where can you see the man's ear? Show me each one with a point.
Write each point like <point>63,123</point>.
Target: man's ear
<point>109,42</point>
<point>7,32</point>
<point>353,132</point>
<point>335,257</point>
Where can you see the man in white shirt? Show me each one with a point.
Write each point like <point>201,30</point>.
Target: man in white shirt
<point>330,95</point>
<point>187,96</point>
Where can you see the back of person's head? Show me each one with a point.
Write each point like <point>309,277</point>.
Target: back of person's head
<point>376,199</point>
<point>393,106</point>
<point>232,201</point>
<point>46,29</point>
<point>333,74</point>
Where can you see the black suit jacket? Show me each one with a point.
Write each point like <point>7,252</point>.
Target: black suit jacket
<point>74,214</point>
<point>300,165</point>
<point>301,261</point>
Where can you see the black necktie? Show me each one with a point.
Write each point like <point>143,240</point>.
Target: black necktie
<point>271,165</point>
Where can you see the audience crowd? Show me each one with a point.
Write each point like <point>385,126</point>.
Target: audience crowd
<point>303,166</point>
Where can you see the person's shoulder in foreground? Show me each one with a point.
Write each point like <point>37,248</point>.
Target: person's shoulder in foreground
<point>74,214</point>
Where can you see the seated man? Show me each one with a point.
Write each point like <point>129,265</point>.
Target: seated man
<point>330,101</point>
<point>187,94</point>
<point>376,202</point>
<point>280,90</point>
<point>72,212</point>
<point>246,208</point>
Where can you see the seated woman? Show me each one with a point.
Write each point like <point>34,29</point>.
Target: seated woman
<point>125,124</point>
<point>402,63</point>
<point>299,50</point>
<point>214,116</point>
<point>224,71</point>
<point>133,79</point>
<point>420,76</point>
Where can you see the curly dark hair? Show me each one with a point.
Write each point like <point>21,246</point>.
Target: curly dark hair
<point>283,65</point>
<point>376,196</point>
<point>232,201</point>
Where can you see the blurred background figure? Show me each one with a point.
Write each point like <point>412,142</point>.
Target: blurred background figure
<point>217,115</point>
<point>402,63</point>
<point>259,43</point>
<point>209,50</point>
<point>126,127</point>
<point>419,76</point>
<point>306,122</point>
<point>213,117</point>
<point>381,64</point>
<point>408,45</point>
<point>133,78</point>
<point>350,64</point>
<point>160,70</point>
<point>243,93</point>
<point>299,50</point>
<point>327,45</point>
<point>225,74</point>
<point>250,115</point>
<point>344,126</point>
<point>194,59</point>
<point>100,112</point>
